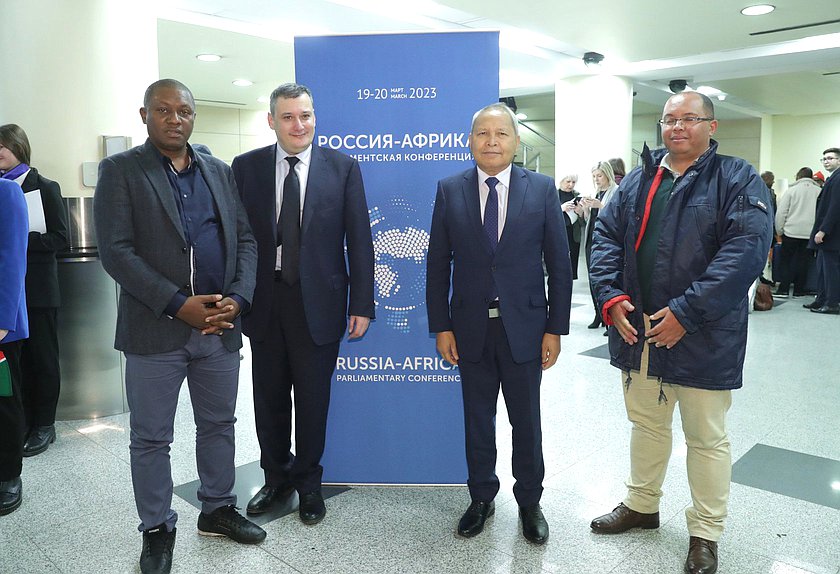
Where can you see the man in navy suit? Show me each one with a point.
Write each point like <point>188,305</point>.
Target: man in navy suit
<point>491,229</point>
<point>305,203</point>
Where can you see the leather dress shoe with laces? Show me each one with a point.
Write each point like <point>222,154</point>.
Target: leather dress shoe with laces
<point>472,522</point>
<point>812,305</point>
<point>226,521</point>
<point>267,496</point>
<point>312,508</point>
<point>534,524</point>
<point>702,556</point>
<point>622,519</point>
<point>39,440</point>
<point>827,310</point>
<point>156,556</point>
<point>11,495</point>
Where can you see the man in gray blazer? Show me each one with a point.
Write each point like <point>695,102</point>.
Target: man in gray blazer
<point>175,237</point>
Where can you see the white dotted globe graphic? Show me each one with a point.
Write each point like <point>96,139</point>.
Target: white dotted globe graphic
<point>400,244</point>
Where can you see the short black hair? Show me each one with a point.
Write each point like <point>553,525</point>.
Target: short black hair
<point>166,83</point>
<point>834,150</point>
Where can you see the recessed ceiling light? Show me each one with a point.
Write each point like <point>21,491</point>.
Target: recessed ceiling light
<point>758,10</point>
<point>521,116</point>
<point>208,57</point>
<point>263,99</point>
<point>243,83</point>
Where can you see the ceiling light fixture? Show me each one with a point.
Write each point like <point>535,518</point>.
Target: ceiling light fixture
<point>243,83</point>
<point>758,10</point>
<point>208,57</point>
<point>520,116</point>
<point>592,59</point>
<point>263,99</point>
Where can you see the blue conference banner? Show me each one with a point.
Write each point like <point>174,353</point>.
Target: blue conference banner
<point>402,105</point>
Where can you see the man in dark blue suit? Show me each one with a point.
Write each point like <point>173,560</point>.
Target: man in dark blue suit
<point>305,203</point>
<point>491,229</point>
<point>825,238</point>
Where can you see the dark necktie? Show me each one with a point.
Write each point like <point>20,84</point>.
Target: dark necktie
<point>289,226</point>
<point>491,214</point>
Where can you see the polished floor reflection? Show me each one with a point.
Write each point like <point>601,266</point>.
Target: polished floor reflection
<point>78,514</point>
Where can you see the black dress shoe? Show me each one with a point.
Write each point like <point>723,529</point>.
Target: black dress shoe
<point>596,322</point>
<point>267,496</point>
<point>472,522</point>
<point>827,310</point>
<point>11,495</point>
<point>312,508</point>
<point>39,440</point>
<point>156,556</point>
<point>702,556</point>
<point>226,521</point>
<point>534,525</point>
<point>812,305</point>
<point>622,519</point>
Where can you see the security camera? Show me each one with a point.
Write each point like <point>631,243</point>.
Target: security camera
<point>677,86</point>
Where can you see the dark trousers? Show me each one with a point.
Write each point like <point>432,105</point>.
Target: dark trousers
<point>794,257</point>
<point>588,255</point>
<point>574,251</point>
<point>11,418</point>
<point>520,384</point>
<point>828,277</point>
<point>289,360</point>
<point>152,386</point>
<point>39,366</point>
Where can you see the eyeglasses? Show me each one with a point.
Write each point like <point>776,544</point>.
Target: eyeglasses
<point>828,158</point>
<point>687,121</point>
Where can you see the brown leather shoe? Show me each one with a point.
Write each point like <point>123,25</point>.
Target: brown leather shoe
<point>702,556</point>
<point>622,519</point>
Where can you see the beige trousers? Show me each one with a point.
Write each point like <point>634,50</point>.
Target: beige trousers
<point>708,460</point>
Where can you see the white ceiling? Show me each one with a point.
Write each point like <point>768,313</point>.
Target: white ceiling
<point>709,42</point>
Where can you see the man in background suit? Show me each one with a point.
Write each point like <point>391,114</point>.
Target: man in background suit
<point>304,203</point>
<point>175,237</point>
<point>825,238</point>
<point>491,228</point>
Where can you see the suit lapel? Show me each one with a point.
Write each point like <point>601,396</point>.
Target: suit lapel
<point>214,183</point>
<point>313,184</point>
<point>473,203</point>
<point>516,199</point>
<point>152,168</point>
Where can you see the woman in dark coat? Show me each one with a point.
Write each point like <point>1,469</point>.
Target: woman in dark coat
<point>39,354</point>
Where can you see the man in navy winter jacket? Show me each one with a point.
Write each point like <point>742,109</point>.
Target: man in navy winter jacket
<point>674,255</point>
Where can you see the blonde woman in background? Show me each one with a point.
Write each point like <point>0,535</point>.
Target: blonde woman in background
<point>603,180</point>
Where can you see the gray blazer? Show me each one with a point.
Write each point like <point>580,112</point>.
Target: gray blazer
<point>142,246</point>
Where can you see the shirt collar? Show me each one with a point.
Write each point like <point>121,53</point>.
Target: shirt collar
<point>503,176</point>
<point>303,156</point>
<point>167,162</point>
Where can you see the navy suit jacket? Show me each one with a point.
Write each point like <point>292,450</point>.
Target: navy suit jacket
<point>142,246</point>
<point>534,230</point>
<point>334,213</point>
